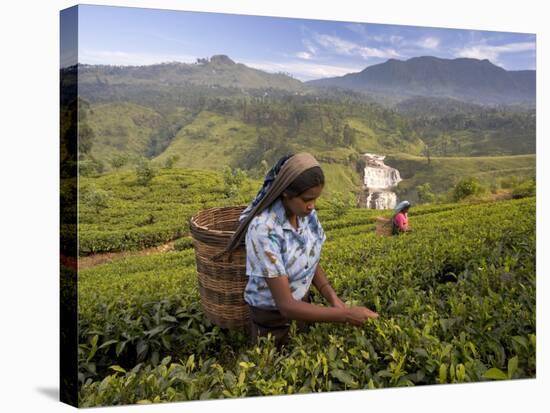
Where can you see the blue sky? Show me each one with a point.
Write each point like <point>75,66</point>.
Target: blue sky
<point>306,49</point>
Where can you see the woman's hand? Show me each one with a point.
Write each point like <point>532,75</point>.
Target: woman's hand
<point>358,315</point>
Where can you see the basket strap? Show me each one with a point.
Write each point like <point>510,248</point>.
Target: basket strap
<point>288,173</point>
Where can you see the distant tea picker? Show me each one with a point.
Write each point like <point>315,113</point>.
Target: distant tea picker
<point>283,238</point>
<point>400,219</point>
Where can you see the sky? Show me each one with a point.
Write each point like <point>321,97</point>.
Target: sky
<point>305,49</point>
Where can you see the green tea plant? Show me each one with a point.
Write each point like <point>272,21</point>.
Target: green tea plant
<point>456,299</point>
<point>116,213</point>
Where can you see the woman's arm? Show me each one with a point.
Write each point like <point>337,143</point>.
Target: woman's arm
<point>299,310</point>
<point>323,286</point>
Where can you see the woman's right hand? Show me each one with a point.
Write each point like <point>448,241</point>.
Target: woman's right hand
<point>358,315</point>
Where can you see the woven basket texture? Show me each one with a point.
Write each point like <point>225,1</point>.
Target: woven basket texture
<point>221,282</point>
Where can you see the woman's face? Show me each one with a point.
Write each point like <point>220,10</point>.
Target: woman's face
<point>303,204</point>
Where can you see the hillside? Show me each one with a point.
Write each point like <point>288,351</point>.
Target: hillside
<point>210,141</point>
<point>192,115</point>
<point>444,172</point>
<point>217,72</point>
<point>471,80</point>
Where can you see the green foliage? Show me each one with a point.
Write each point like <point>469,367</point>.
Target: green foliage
<point>144,338</point>
<point>454,128</point>
<point>466,187</point>
<point>137,216</point>
<point>443,173</point>
<point>170,161</point>
<point>145,172</point>
<point>425,194</point>
<point>89,166</point>
<point>264,168</point>
<point>525,189</point>
<point>183,243</point>
<point>232,181</point>
<point>118,160</point>
<point>510,182</point>
<point>85,132</point>
<point>96,198</point>
<point>339,204</point>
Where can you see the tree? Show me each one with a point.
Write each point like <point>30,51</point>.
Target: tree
<point>89,166</point>
<point>466,187</point>
<point>96,198</point>
<point>360,166</point>
<point>445,142</point>
<point>340,204</point>
<point>119,160</point>
<point>145,172</point>
<point>349,136</point>
<point>425,194</point>
<point>427,153</point>
<point>232,180</point>
<point>170,161</point>
<point>85,132</point>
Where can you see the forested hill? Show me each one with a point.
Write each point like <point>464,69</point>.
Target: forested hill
<point>471,80</point>
<point>166,112</point>
<point>105,82</point>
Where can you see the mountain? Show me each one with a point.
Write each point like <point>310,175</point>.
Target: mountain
<point>225,113</point>
<point>217,72</point>
<point>470,80</point>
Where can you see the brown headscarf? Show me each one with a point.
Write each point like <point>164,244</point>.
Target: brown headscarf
<point>290,170</point>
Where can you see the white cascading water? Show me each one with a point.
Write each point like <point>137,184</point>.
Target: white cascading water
<point>378,181</point>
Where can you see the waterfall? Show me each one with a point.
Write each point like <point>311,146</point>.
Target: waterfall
<point>378,181</point>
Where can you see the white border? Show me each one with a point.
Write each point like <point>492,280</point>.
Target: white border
<point>29,215</point>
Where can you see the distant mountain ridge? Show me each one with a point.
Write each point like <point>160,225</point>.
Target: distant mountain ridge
<point>470,80</point>
<point>218,71</point>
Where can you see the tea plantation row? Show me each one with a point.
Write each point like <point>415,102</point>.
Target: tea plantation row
<point>456,299</point>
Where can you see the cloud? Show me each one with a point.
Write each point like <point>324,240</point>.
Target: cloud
<point>485,51</point>
<point>428,43</point>
<point>309,46</point>
<point>347,48</point>
<point>393,39</point>
<point>304,55</point>
<point>110,57</point>
<point>357,28</point>
<point>302,70</point>
<point>396,39</point>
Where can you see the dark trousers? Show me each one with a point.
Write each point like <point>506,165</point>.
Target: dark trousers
<point>264,321</point>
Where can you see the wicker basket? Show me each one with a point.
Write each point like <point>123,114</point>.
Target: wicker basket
<point>222,282</point>
<point>383,226</point>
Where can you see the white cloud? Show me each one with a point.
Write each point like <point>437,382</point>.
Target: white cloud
<point>393,39</point>
<point>347,48</point>
<point>485,51</point>
<point>428,43</point>
<point>309,46</point>
<point>357,28</point>
<point>110,57</point>
<point>302,70</point>
<point>396,39</point>
<point>304,55</point>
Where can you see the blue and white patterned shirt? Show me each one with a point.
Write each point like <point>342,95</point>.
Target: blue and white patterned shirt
<point>275,248</point>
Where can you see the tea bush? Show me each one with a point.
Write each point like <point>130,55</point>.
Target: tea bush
<point>130,216</point>
<point>456,299</point>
